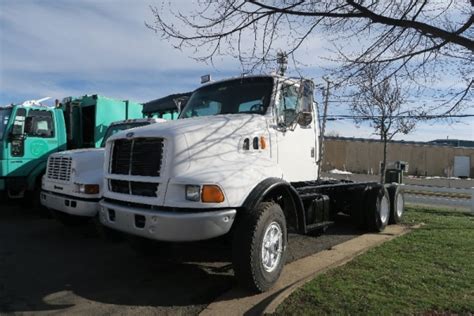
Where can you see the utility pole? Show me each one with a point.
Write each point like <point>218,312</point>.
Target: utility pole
<point>323,125</point>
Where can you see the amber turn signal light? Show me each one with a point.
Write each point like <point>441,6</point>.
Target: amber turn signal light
<point>89,188</point>
<point>263,142</point>
<point>211,194</point>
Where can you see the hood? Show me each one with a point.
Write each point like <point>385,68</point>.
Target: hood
<point>206,143</point>
<point>76,152</point>
<point>87,164</point>
<point>227,124</point>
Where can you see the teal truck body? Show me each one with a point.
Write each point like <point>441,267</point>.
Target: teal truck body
<point>30,133</point>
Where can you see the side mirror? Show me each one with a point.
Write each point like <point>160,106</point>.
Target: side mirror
<point>28,125</point>
<point>305,98</point>
<point>304,118</point>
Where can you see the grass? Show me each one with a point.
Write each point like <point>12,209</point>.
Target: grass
<point>428,271</point>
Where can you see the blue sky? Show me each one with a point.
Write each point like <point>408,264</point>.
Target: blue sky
<point>59,48</point>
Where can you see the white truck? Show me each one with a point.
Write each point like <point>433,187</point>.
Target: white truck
<point>242,159</point>
<point>72,184</point>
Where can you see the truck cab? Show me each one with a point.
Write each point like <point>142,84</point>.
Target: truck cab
<point>242,159</point>
<point>30,132</point>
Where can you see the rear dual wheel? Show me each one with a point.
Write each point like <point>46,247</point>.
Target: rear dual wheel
<point>397,203</point>
<point>384,206</point>
<point>377,209</point>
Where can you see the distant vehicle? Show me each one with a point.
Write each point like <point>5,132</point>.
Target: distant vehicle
<point>30,132</point>
<point>242,159</point>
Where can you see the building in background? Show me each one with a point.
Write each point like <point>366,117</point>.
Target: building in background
<point>442,158</point>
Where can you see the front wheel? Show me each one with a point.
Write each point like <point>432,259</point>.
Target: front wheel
<point>259,246</point>
<point>105,232</point>
<point>70,220</point>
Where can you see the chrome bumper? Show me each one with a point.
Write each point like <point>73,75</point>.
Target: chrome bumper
<point>165,225</point>
<point>69,204</point>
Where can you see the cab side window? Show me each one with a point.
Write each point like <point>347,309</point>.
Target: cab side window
<point>19,123</point>
<point>40,124</point>
<point>288,102</point>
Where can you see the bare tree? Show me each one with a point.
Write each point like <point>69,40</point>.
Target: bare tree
<point>417,40</point>
<point>381,104</point>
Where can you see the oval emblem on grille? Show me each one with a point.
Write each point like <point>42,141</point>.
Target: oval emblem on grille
<point>129,134</point>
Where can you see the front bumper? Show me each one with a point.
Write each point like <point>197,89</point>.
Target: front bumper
<point>70,204</point>
<point>166,225</point>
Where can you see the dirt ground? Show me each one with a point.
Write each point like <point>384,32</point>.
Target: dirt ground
<point>47,268</point>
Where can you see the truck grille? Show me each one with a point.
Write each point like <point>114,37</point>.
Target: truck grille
<point>59,168</point>
<point>138,157</point>
<point>134,187</point>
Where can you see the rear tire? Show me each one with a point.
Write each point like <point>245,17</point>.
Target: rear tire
<point>70,220</point>
<point>397,203</point>
<point>359,215</point>
<point>259,247</point>
<point>378,209</point>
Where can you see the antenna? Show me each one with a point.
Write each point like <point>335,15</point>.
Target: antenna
<point>282,60</point>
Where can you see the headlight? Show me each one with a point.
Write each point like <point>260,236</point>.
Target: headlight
<point>88,188</point>
<point>193,193</point>
<point>208,193</point>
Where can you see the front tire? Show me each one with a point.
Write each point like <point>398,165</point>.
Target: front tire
<point>259,247</point>
<point>69,220</point>
<point>145,247</point>
<point>105,232</point>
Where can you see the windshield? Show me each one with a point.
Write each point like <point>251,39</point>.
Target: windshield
<point>4,116</point>
<point>245,95</point>
<point>114,129</point>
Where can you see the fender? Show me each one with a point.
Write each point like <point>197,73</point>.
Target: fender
<point>37,171</point>
<point>261,190</point>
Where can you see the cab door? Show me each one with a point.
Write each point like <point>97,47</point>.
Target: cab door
<point>296,135</point>
<point>32,139</point>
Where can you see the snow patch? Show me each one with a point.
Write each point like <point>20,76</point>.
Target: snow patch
<point>337,171</point>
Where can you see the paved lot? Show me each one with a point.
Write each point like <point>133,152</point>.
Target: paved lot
<point>46,268</point>
<point>434,181</point>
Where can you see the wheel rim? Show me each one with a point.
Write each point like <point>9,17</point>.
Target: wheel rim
<point>272,245</point>
<point>384,209</point>
<point>400,205</point>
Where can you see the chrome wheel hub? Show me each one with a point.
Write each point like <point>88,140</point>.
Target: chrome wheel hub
<point>272,247</point>
<point>384,209</point>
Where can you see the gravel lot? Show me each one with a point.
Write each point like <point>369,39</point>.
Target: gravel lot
<point>47,268</point>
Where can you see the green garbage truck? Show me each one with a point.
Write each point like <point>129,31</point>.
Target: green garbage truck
<point>30,132</point>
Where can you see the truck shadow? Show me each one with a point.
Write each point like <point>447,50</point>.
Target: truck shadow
<point>45,266</point>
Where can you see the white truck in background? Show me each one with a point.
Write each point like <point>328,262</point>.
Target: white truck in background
<point>72,184</point>
<point>242,159</point>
